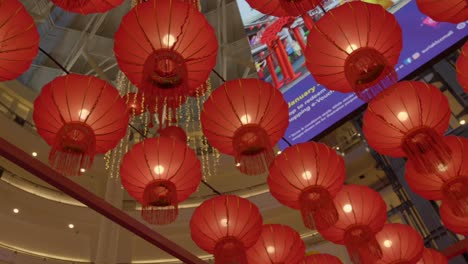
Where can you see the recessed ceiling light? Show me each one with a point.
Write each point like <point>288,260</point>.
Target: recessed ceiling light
<point>34,154</point>
<point>71,226</point>
<point>238,164</point>
<point>82,170</point>
<point>16,210</point>
<point>337,148</point>
<point>462,122</point>
<point>279,152</point>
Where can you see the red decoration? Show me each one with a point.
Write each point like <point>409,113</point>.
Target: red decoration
<point>355,47</point>
<point>268,7</point>
<point>322,259</point>
<point>449,183</point>
<point>226,226</point>
<point>87,6</point>
<point>160,173</point>
<point>431,256</point>
<point>307,176</point>
<point>400,244</point>
<point>408,120</point>
<point>175,133</point>
<point>135,103</point>
<point>453,222</point>
<point>362,213</point>
<point>166,48</point>
<point>453,11</point>
<point>79,116</point>
<point>19,40</point>
<point>462,68</point>
<point>277,244</point>
<point>245,118</point>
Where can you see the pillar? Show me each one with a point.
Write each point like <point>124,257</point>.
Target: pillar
<point>299,39</point>
<point>271,68</point>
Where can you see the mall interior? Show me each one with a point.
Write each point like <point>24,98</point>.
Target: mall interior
<point>182,172</point>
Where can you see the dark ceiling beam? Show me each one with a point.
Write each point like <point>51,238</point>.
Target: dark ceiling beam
<point>74,190</point>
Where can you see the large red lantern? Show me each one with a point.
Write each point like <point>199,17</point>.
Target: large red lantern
<point>79,116</point>
<point>160,173</point>
<point>400,244</point>
<point>246,118</point>
<point>453,11</point>
<point>454,223</point>
<point>362,214</point>
<point>432,256</point>
<point>449,183</point>
<point>355,47</point>
<point>166,47</point>
<point>19,40</point>
<point>462,68</point>
<point>408,120</point>
<point>277,244</point>
<point>307,176</point>
<point>322,259</point>
<point>87,6</point>
<point>226,226</point>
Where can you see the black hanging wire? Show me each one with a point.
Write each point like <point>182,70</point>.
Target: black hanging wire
<point>130,125</point>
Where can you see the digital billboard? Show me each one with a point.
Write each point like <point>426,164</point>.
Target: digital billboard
<point>312,108</point>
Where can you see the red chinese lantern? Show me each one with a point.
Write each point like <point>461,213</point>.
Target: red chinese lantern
<point>226,226</point>
<point>400,244</point>
<point>19,40</point>
<point>453,11</point>
<point>408,120</point>
<point>245,118</point>
<point>449,183</point>
<point>166,48</point>
<point>160,173</point>
<point>462,68</point>
<point>355,47</point>
<point>79,116</point>
<point>454,223</point>
<point>87,6</point>
<point>322,259</point>
<point>307,176</point>
<point>362,213</point>
<point>269,7</point>
<point>277,244</point>
<point>175,133</point>
<point>431,256</point>
<point>135,103</point>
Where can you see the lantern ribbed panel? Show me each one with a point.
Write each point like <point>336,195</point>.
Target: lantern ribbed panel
<point>450,182</point>
<point>362,213</point>
<point>245,118</point>
<point>354,47</point>
<point>80,110</point>
<point>432,256</point>
<point>302,169</point>
<point>87,6</point>
<point>400,244</point>
<point>277,244</point>
<point>166,47</point>
<point>281,8</point>
<point>223,218</point>
<point>462,68</point>
<point>322,259</point>
<point>19,40</point>
<point>407,119</point>
<point>453,11</point>
<point>454,223</point>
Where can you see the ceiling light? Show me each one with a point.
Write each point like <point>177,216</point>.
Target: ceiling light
<point>279,152</point>
<point>34,154</point>
<point>238,164</point>
<point>337,148</point>
<point>358,134</point>
<point>71,226</point>
<point>462,122</point>
<point>82,170</point>
<point>16,210</point>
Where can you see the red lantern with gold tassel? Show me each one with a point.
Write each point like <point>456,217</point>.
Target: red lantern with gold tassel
<point>453,11</point>
<point>246,118</point>
<point>462,68</point>
<point>19,40</point>
<point>432,256</point>
<point>400,244</point>
<point>277,244</point>
<point>167,49</point>
<point>355,47</point>
<point>449,183</point>
<point>307,176</point>
<point>79,116</point>
<point>408,120</point>
<point>87,6</point>
<point>361,215</point>
<point>160,173</point>
<point>226,226</point>
<point>454,223</point>
<point>321,259</point>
